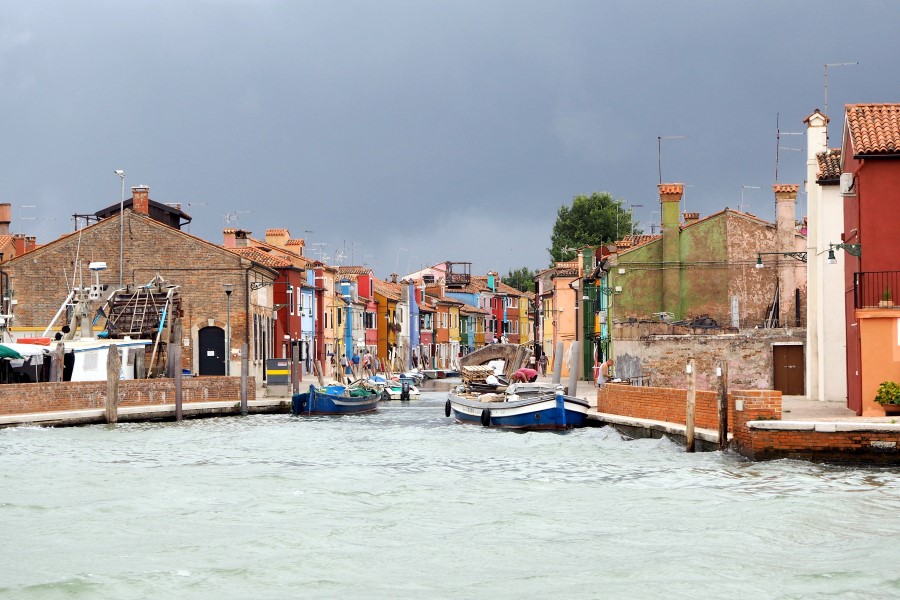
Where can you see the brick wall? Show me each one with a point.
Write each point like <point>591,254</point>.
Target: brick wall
<point>849,447</point>
<point>662,404</point>
<point>78,395</point>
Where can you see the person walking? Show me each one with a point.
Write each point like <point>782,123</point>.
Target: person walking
<point>543,364</point>
<point>355,363</point>
<point>345,367</point>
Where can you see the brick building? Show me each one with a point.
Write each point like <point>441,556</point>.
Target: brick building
<point>41,279</point>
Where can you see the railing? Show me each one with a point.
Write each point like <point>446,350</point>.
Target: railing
<point>876,289</point>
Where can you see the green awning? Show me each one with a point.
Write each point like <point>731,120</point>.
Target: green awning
<point>7,352</point>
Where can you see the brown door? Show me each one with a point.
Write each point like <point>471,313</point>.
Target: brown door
<point>789,376</point>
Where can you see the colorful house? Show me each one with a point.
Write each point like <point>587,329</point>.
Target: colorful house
<point>870,157</point>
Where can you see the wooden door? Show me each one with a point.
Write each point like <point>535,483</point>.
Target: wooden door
<point>789,371</point>
<point>211,344</point>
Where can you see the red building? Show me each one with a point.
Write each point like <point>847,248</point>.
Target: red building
<point>870,186</point>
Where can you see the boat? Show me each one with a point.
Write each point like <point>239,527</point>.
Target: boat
<point>522,406</point>
<point>334,400</point>
<point>392,389</point>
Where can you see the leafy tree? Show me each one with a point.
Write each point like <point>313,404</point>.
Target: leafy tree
<point>522,279</point>
<point>590,221</point>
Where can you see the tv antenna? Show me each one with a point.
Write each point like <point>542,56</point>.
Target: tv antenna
<point>842,64</point>
<point>778,146</point>
<point>234,218</point>
<point>659,140</point>
<point>746,187</point>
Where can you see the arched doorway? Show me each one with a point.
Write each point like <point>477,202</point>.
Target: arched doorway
<point>211,345</point>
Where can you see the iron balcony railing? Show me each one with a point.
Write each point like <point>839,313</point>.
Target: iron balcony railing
<point>874,289</point>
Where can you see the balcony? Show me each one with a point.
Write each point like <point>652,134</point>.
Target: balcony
<point>876,289</point>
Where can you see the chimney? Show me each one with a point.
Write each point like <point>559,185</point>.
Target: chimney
<point>816,130</point>
<point>670,196</point>
<point>277,237</point>
<point>5,214</point>
<point>240,238</point>
<point>30,243</point>
<point>140,199</point>
<point>691,217</point>
<point>228,236</point>
<point>785,230</point>
<point>296,246</point>
<point>394,277</point>
<point>19,243</point>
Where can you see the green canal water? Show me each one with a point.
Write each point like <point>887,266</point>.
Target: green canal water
<point>405,503</point>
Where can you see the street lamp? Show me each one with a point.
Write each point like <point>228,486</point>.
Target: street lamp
<point>121,175</point>
<point>228,289</point>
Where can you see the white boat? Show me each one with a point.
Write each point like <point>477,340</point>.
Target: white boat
<point>524,406</point>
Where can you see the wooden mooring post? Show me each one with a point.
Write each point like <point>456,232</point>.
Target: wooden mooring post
<point>691,405</point>
<point>175,349</point>
<point>113,365</point>
<point>557,364</point>
<point>319,376</point>
<point>57,364</point>
<point>722,405</point>
<point>245,376</point>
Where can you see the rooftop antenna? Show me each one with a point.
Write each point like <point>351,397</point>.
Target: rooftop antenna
<point>778,146</point>
<point>746,187</point>
<point>842,64</point>
<point>659,140</point>
<point>233,217</point>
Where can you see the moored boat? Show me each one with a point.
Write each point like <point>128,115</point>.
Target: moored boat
<point>334,400</point>
<point>531,406</point>
<point>391,389</point>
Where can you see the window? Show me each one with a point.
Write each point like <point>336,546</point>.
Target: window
<point>290,298</point>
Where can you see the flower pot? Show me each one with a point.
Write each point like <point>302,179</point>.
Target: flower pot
<point>891,409</point>
<point>886,304</point>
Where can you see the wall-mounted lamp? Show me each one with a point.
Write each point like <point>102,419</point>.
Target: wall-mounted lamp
<point>851,249</point>
<point>801,256</point>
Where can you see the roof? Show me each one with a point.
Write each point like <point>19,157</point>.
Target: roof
<point>632,241</point>
<point>829,165</point>
<point>353,270</point>
<point>262,257</point>
<point>473,310</point>
<point>279,231</point>
<point>874,128</point>
<point>389,290</point>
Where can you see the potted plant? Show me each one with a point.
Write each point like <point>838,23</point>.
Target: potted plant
<point>886,300</point>
<point>888,396</point>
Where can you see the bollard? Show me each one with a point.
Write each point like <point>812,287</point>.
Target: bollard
<point>574,362</point>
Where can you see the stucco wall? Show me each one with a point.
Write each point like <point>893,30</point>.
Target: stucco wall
<point>661,352</point>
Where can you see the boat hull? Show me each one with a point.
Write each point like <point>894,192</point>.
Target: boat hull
<point>318,402</point>
<point>555,413</point>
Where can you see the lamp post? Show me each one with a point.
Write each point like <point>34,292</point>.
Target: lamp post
<point>121,175</point>
<point>228,289</point>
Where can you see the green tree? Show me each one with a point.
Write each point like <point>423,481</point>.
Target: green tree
<point>522,279</point>
<point>590,221</point>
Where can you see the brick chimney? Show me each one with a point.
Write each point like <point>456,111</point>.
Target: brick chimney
<point>295,246</point>
<point>785,229</point>
<point>277,237</point>
<point>240,238</point>
<point>30,243</point>
<point>5,215</point>
<point>670,196</point>
<point>228,237</point>
<point>140,197</point>
<point>691,217</point>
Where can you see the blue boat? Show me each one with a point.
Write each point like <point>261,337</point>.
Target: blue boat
<point>334,400</point>
<point>521,406</point>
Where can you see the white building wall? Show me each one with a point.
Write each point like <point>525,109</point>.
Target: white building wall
<point>826,339</point>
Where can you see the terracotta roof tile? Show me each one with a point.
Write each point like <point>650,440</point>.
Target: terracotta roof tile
<point>293,242</point>
<point>671,189</point>
<point>829,165</point>
<point>874,128</point>
<point>277,232</point>
<point>387,289</point>
<point>353,270</point>
<point>261,257</point>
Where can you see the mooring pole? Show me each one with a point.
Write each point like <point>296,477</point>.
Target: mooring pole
<point>557,363</point>
<point>319,373</point>
<point>113,364</point>
<point>691,403</point>
<point>57,364</point>
<point>245,376</point>
<point>175,347</point>
<point>573,366</point>
<point>723,405</point>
